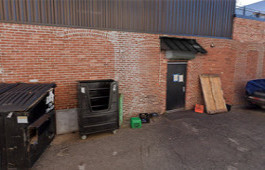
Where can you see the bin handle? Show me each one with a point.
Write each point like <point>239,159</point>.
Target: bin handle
<point>40,121</point>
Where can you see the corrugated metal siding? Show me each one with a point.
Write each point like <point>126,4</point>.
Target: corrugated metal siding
<point>187,17</point>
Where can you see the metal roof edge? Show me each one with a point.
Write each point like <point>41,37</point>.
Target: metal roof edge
<point>250,18</point>
<point>119,30</point>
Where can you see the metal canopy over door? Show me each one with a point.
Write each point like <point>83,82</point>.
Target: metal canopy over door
<point>176,85</point>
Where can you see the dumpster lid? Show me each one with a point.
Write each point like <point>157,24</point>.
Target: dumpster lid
<point>21,96</point>
<point>96,81</point>
<point>5,86</point>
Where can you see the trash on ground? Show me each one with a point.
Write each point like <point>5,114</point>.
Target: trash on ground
<point>229,107</point>
<point>82,166</point>
<point>151,115</point>
<point>145,117</point>
<point>63,152</point>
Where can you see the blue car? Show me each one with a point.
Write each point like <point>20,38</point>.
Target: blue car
<point>255,91</point>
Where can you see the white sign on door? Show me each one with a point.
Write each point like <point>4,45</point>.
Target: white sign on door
<point>178,78</point>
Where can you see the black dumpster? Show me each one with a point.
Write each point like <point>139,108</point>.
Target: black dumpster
<point>98,106</point>
<point>27,123</point>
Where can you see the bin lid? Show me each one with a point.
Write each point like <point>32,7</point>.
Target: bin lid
<point>6,86</point>
<point>21,96</point>
<point>95,81</point>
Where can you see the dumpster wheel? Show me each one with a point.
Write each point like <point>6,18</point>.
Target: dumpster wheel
<point>83,137</point>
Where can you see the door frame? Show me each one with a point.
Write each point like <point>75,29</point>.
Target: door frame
<point>176,63</point>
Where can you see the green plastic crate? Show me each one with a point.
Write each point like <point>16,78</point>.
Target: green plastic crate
<point>136,122</point>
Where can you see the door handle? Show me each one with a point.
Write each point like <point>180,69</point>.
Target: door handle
<point>11,149</point>
<point>183,88</point>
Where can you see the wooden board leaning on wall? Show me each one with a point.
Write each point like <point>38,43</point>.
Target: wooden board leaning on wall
<point>213,93</point>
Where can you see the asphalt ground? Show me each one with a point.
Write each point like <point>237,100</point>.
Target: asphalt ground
<point>180,140</point>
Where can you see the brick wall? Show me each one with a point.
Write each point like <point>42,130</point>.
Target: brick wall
<point>249,45</point>
<point>246,30</point>
<point>52,54</point>
<point>218,60</point>
<point>65,55</point>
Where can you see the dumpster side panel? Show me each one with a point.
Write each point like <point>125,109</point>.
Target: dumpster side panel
<point>24,135</point>
<point>16,142</point>
<point>3,160</point>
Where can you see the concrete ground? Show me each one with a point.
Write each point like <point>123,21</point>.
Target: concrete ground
<point>181,140</point>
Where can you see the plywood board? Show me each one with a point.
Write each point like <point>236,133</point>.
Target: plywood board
<point>213,93</point>
<point>207,93</point>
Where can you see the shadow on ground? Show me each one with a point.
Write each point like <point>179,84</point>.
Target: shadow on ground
<point>181,140</point>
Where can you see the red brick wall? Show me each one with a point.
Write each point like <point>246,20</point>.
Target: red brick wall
<point>140,70</point>
<point>249,45</point>
<point>252,61</point>
<point>246,30</point>
<point>218,60</point>
<point>51,54</point>
<point>65,55</point>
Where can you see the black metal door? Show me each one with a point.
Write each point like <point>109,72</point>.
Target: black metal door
<point>176,85</point>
